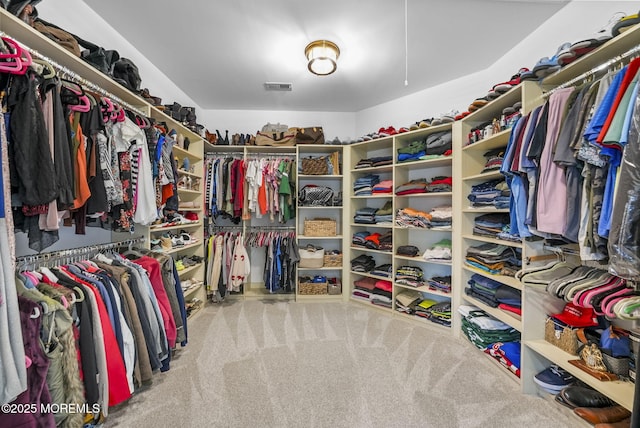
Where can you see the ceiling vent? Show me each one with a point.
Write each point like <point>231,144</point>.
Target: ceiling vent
<point>275,86</point>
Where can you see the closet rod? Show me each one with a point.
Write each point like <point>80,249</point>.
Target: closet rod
<point>594,71</point>
<point>561,250</point>
<point>76,78</point>
<point>238,227</point>
<point>218,154</point>
<point>254,154</point>
<point>80,251</point>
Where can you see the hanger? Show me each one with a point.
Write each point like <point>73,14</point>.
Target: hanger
<point>47,272</point>
<point>45,69</point>
<point>36,312</point>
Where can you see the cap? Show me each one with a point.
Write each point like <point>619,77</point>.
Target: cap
<point>577,316</point>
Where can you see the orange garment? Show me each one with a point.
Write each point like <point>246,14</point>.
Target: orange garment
<point>82,192</point>
<point>262,196</point>
<point>167,192</point>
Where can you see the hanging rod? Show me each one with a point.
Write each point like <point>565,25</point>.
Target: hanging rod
<point>219,154</point>
<point>78,79</point>
<point>594,71</point>
<point>252,228</point>
<point>76,252</point>
<point>561,250</point>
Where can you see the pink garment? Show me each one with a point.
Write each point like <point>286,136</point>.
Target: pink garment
<point>551,203</point>
<point>152,266</point>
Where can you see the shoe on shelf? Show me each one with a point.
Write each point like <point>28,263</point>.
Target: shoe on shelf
<point>553,379</point>
<point>165,242</point>
<point>403,129</point>
<point>604,34</point>
<point>425,123</point>
<point>624,24</point>
<point>602,415</point>
<point>180,265</point>
<point>414,126</point>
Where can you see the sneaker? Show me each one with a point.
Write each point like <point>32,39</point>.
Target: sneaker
<point>604,34</point>
<point>553,379</point>
<point>180,265</point>
<point>624,24</point>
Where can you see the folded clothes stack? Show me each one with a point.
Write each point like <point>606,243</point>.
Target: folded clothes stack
<point>493,193</point>
<point>494,158</point>
<point>411,276</point>
<point>507,354</point>
<point>412,187</point>
<point>409,217</point>
<point>495,259</point>
<point>385,214</point>
<point>483,330</point>
<point>381,294</point>
<point>383,187</point>
<point>363,186</point>
<point>441,217</point>
<point>363,288</point>
<point>406,301</point>
<point>358,238</point>
<point>374,162</point>
<point>365,215</point>
<point>379,241</point>
<point>441,250</point>
<point>491,224</point>
<point>439,283</point>
<point>439,184</point>
<point>363,263</point>
<point>385,270</point>
<point>439,313</point>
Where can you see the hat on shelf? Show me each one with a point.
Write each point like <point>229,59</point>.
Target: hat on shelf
<point>577,316</point>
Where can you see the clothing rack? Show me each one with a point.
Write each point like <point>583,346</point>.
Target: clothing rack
<point>73,254</point>
<point>239,227</point>
<point>594,71</point>
<point>275,154</point>
<point>76,78</point>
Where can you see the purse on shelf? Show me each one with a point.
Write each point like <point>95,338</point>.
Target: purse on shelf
<point>312,195</point>
<point>315,165</point>
<point>282,138</point>
<point>310,135</point>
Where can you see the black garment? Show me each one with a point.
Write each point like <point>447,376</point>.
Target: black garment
<point>29,144</point>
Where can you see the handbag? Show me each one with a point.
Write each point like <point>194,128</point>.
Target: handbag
<point>97,56</point>
<point>312,195</point>
<point>276,139</point>
<point>315,166</point>
<point>311,135</point>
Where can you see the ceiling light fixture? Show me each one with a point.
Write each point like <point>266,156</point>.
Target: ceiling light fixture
<point>322,56</point>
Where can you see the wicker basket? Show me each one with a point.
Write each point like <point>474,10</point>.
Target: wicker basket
<point>619,365</point>
<point>312,288</point>
<point>335,288</point>
<point>320,227</point>
<point>567,340</point>
<point>332,260</point>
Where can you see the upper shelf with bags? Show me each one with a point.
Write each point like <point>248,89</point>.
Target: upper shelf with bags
<point>23,33</point>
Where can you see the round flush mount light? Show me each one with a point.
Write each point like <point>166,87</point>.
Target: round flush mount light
<point>322,56</point>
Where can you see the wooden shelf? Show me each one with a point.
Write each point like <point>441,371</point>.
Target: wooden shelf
<point>368,304</point>
<point>187,173</point>
<point>427,195</point>
<point>425,229</point>
<point>320,237</point>
<point>419,259</point>
<point>182,153</point>
<point>191,291</point>
<point>369,250</point>
<point>493,241</point>
<point>424,289</point>
<point>321,268</point>
<point>484,176</point>
<point>407,137</point>
<point>318,297</point>
<point>499,314</point>
<point>374,144</point>
<point>185,271</point>
<point>319,148</point>
<point>189,192</point>
<point>501,139</point>
<point>485,210</point>
<point>332,207</point>
<point>318,177</point>
<point>179,226</point>
<point>384,226</point>
<point>422,321</point>
<point>377,196</point>
<point>369,275</point>
<point>619,391</point>
<point>506,280</point>
<point>181,248</point>
<point>444,160</point>
<point>373,169</point>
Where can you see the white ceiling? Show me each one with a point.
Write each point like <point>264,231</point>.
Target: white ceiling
<point>221,52</point>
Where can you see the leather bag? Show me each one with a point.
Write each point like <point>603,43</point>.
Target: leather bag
<point>311,135</point>
<point>276,139</point>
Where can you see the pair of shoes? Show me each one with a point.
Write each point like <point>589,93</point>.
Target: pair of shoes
<point>581,396</point>
<point>582,47</point>
<point>166,242</point>
<point>554,379</point>
<point>602,415</point>
<point>387,132</point>
<point>180,265</point>
<point>445,118</point>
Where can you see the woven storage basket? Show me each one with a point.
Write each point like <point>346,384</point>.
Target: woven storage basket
<point>320,227</point>
<point>311,257</point>
<point>332,260</point>
<point>567,340</point>
<point>314,288</point>
<point>335,288</point>
<point>619,366</point>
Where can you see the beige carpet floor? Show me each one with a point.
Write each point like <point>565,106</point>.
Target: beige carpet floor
<point>285,364</point>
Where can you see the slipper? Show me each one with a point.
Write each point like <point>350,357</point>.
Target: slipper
<point>414,126</point>
<point>625,23</point>
<point>480,102</point>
